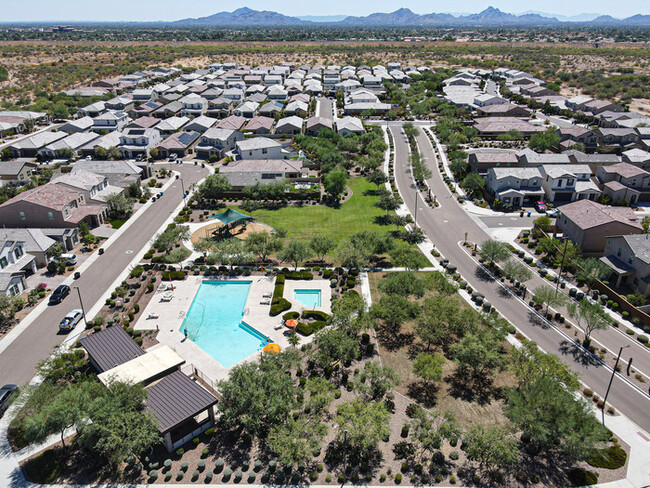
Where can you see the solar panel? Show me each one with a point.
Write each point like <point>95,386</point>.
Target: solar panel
<point>186,138</point>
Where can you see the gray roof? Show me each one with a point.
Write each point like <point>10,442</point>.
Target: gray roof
<point>176,398</point>
<point>640,246</point>
<point>257,143</point>
<point>107,167</point>
<point>111,347</point>
<point>35,239</point>
<point>12,168</point>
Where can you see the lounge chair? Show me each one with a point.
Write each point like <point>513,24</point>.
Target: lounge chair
<point>167,297</point>
<point>163,287</point>
<point>265,301</point>
<point>267,295</point>
<point>152,315</point>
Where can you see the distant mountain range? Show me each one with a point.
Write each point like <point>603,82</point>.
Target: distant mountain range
<point>490,17</point>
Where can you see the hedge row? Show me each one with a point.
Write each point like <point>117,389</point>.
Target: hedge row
<point>281,306</point>
<point>309,329</point>
<point>315,315</point>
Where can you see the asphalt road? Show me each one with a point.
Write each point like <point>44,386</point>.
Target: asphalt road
<point>447,225</point>
<point>18,361</point>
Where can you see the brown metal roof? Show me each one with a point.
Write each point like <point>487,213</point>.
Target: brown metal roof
<point>176,398</point>
<point>111,347</point>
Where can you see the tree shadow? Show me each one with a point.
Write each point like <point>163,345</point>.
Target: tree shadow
<point>537,321</point>
<point>393,339</point>
<point>570,348</point>
<point>483,275</point>
<point>504,293</point>
<point>383,220</point>
<point>472,389</point>
<point>423,393</point>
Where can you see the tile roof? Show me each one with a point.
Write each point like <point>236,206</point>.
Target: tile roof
<point>626,170</point>
<point>180,140</point>
<point>587,214</point>
<point>49,195</point>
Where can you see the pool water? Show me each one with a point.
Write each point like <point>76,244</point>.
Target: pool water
<point>309,298</point>
<point>214,322</point>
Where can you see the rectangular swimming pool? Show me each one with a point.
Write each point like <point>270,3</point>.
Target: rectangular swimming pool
<point>309,298</point>
<point>214,322</point>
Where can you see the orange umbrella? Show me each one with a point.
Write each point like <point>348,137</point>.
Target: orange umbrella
<point>291,323</point>
<point>272,348</point>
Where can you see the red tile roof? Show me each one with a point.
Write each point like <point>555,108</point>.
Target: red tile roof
<point>50,195</point>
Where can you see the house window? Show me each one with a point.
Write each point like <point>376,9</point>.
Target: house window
<point>50,216</point>
<point>618,253</point>
<point>3,262</point>
<point>18,252</point>
<point>22,215</point>
<point>629,261</point>
<point>264,151</point>
<point>14,290</point>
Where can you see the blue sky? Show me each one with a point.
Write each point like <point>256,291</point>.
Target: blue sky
<point>149,10</point>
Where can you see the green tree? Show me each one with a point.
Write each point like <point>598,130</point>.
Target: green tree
<point>334,344</point>
<point>295,440</point>
<point>593,270</point>
<point>437,320</point>
<point>553,421</point>
<point>492,447</point>
<point>360,427</point>
<point>590,316</point>
<point>322,245</point>
<point>494,251</point>
<point>119,207</point>
<point>335,183</point>
<point>263,244</point>
<point>376,380</point>
<point>543,141</point>
<point>542,224</point>
<point>388,203</point>
<point>406,256</point>
<point>405,283</point>
<point>377,178</point>
<point>59,112</point>
<point>645,224</point>
<point>530,363</point>
<point>473,184</point>
<point>232,252</point>
<point>214,186</point>
<point>393,311</point>
<point>257,396</point>
<point>295,252</point>
<point>428,367</point>
<point>516,271</point>
<point>166,240</point>
<point>549,296</point>
<point>478,354</point>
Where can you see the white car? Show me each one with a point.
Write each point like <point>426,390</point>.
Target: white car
<point>70,320</point>
<point>552,212</point>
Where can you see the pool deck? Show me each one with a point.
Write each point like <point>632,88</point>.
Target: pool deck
<point>171,314</point>
<point>290,286</point>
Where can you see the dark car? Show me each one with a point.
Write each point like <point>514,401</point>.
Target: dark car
<point>6,392</point>
<point>59,294</point>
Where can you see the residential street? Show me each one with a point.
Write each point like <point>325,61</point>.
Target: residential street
<point>36,342</point>
<point>447,226</point>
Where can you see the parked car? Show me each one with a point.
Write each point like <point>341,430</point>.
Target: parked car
<point>541,206</point>
<point>552,212</point>
<point>71,319</point>
<point>173,157</point>
<point>6,392</point>
<point>66,258</point>
<point>59,294</point>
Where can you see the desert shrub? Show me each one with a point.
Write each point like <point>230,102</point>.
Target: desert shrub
<point>582,477</point>
<point>613,457</point>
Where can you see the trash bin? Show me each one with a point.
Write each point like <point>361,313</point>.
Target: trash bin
<point>101,250</point>
<point>529,213</point>
<point>521,214</point>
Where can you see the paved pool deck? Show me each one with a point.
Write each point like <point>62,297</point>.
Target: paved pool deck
<point>169,316</point>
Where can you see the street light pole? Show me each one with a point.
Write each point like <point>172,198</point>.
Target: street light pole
<point>566,243</point>
<point>345,459</point>
<point>83,310</point>
<point>415,219</point>
<point>612,379</point>
<point>183,188</point>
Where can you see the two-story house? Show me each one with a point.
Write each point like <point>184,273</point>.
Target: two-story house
<point>136,141</point>
<point>216,142</point>
<point>515,186</point>
<point>566,183</point>
<point>15,265</point>
<point>49,206</point>
<point>243,173</point>
<point>94,187</point>
<point>193,105</point>
<point>624,181</point>
<point>259,148</point>
<point>628,256</point>
<point>110,121</point>
<point>16,172</point>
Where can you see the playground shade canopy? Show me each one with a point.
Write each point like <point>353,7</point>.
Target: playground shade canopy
<point>230,216</point>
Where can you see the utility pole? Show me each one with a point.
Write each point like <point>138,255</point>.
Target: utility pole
<point>83,310</point>
<point>559,278</point>
<point>612,379</point>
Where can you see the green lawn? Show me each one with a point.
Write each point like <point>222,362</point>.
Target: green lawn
<point>117,223</point>
<point>355,215</point>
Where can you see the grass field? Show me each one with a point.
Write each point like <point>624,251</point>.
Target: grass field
<point>355,215</point>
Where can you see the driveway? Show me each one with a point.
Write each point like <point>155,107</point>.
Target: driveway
<point>18,361</point>
<point>447,225</point>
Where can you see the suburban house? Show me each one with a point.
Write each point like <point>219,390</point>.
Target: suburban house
<point>503,110</point>
<point>297,107</point>
<point>110,121</point>
<point>578,134</point>
<point>492,127</point>
<point>628,256</point>
<point>35,242</point>
<point>50,205</point>
<point>112,139</point>
<point>598,106</point>
<point>232,122</point>
<point>138,142</point>
<point>121,103</point>
<point>259,148</point>
<point>271,109</point>
<point>144,109</point>
<point>171,125</point>
<point>528,157</point>
<point>119,173</point>
<point>247,172</point>
<point>624,181</point>
<point>566,183</point>
<point>289,125</point>
<point>259,125</point>
<point>315,124</point>
<point>81,124</point>
<point>216,142</point>
<point>93,110</point>
<point>617,137</point>
<point>180,143</point>
<point>193,105</point>
<point>29,147</point>
<point>246,109</point>
<point>93,187</point>
<point>143,123</point>
<point>515,186</point>
<point>349,125</point>
<point>588,224</point>
<point>219,107</point>
<point>16,172</point>
<point>593,160</point>
<point>15,264</point>
<point>481,161</point>
<point>200,124</point>
<point>637,157</point>
<point>169,110</point>
<point>73,142</point>
<point>183,409</point>
<point>485,100</point>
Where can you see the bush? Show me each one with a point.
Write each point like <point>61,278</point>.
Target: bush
<point>582,477</point>
<point>453,455</point>
<point>398,478</point>
<point>313,476</point>
<point>282,306</point>
<point>452,479</point>
<point>180,475</point>
<point>201,464</point>
<point>291,316</point>
<point>315,315</point>
<point>184,465</point>
<point>227,473</point>
<point>609,458</point>
<point>643,339</point>
<point>176,275</point>
<point>309,329</point>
